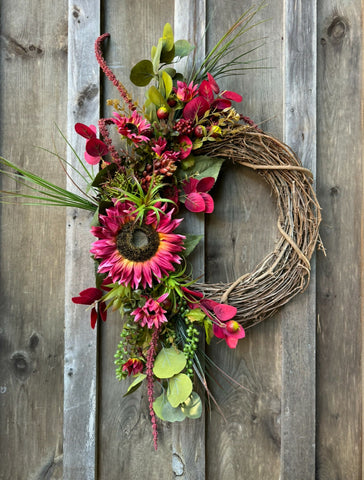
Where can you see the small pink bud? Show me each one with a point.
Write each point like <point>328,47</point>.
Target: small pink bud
<point>232,326</point>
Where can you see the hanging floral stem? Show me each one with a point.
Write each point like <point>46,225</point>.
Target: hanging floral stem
<point>150,362</point>
<point>110,75</point>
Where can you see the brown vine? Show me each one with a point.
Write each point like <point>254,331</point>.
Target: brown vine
<point>285,272</point>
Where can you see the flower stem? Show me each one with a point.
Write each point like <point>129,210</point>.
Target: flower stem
<point>150,362</point>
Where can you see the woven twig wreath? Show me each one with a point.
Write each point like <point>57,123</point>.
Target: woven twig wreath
<point>285,271</point>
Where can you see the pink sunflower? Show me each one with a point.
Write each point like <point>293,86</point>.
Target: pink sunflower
<point>134,253</point>
<point>136,128</point>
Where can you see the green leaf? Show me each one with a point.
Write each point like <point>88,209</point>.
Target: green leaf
<point>168,83</point>
<point>168,362</point>
<point>182,48</point>
<point>164,410</point>
<point>136,384</point>
<point>156,97</point>
<point>204,167</point>
<point>208,330</point>
<point>156,58</point>
<point>142,73</point>
<point>104,173</point>
<point>196,315</point>
<point>168,37</point>
<point>167,57</point>
<point>192,407</point>
<point>190,243</point>
<point>171,71</point>
<point>179,389</point>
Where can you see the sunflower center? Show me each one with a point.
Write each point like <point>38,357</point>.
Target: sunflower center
<point>137,243</point>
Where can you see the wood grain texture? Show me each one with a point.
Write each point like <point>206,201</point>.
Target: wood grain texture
<point>240,232</point>
<point>80,367</point>
<point>299,318</point>
<point>340,187</point>
<point>33,70</point>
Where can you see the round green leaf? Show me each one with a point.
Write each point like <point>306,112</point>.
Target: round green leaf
<point>179,389</point>
<point>164,410</point>
<point>192,407</point>
<point>182,48</point>
<point>168,37</point>
<point>169,362</point>
<point>142,73</point>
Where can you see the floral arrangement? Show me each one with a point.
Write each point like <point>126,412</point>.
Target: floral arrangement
<point>164,163</point>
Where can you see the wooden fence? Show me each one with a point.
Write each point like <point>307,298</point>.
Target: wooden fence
<point>301,415</point>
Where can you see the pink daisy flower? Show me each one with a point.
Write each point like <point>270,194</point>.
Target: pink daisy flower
<point>134,253</point>
<point>135,127</point>
<point>152,313</point>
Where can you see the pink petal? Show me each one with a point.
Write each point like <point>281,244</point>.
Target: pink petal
<point>225,312</point>
<point>85,131</point>
<point>209,202</point>
<point>213,83</point>
<point>103,311</point>
<point>205,184</point>
<point>96,147</point>
<point>91,160</point>
<point>218,331</point>
<point>195,202</point>
<point>235,97</point>
<point>206,92</point>
<point>186,146</point>
<point>190,185</point>
<point>231,341</point>
<point>196,107</point>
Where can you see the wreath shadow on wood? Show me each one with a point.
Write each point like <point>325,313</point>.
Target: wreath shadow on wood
<point>285,272</point>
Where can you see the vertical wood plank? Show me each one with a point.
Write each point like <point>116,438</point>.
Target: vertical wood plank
<point>299,318</point>
<point>340,189</point>
<point>188,460</point>
<point>80,382</point>
<point>245,443</point>
<point>33,66</point>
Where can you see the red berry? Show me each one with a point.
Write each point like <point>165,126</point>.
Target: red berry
<point>162,113</point>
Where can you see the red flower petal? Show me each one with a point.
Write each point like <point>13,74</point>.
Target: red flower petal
<point>224,312</point>
<point>235,97</point>
<point>196,107</point>
<point>93,318</point>
<point>88,296</point>
<point>206,92</point>
<point>190,185</point>
<point>103,311</point>
<point>85,131</point>
<point>205,184</point>
<point>195,203</point>
<point>186,146</point>
<point>220,104</point>
<point>91,160</point>
<point>231,341</point>
<point>209,203</point>
<point>96,147</point>
<point>213,83</point>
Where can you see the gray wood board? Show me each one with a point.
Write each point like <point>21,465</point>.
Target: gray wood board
<point>340,189</point>
<point>80,368</point>
<point>33,73</point>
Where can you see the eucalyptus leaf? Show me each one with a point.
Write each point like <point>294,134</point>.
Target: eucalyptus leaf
<point>192,407</point>
<point>164,410</point>
<point>179,389</point>
<point>156,97</point>
<point>156,58</point>
<point>142,73</point>
<point>168,37</point>
<point>190,243</point>
<point>182,48</point>
<point>136,384</point>
<point>171,71</point>
<point>204,166</point>
<point>168,83</point>
<point>167,56</point>
<point>169,362</point>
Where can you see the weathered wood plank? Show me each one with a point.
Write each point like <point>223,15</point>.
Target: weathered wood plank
<point>299,318</point>
<point>240,232</point>
<point>33,65</point>
<point>80,381</point>
<point>340,189</point>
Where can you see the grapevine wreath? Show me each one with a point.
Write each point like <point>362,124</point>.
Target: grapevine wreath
<point>165,161</point>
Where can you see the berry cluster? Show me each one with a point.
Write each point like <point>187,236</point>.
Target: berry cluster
<point>190,347</point>
<point>184,127</point>
<point>162,167</point>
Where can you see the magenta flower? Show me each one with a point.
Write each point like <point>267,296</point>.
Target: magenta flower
<point>135,127</point>
<point>131,264</point>
<point>152,313</point>
<point>133,366</point>
<point>159,146</point>
<point>95,148</point>
<point>185,92</point>
<point>231,332</point>
<point>185,144</point>
<point>197,198</point>
<point>92,296</point>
